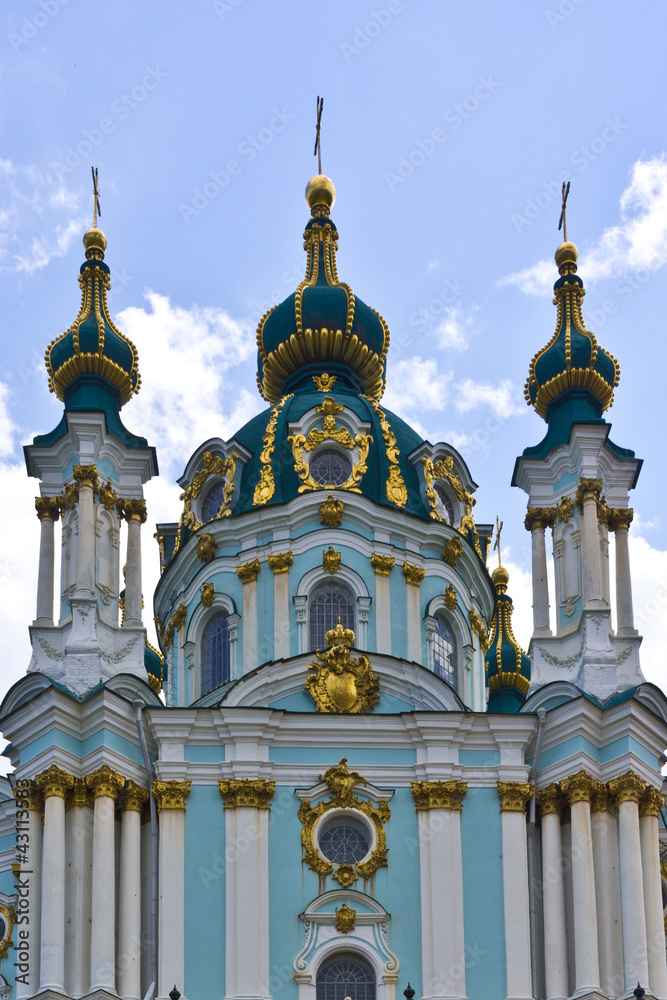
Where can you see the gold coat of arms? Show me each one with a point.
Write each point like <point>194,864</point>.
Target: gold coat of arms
<point>342,683</point>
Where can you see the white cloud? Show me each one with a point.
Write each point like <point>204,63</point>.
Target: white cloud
<point>431,266</point>
<point>637,242</point>
<point>649,592</point>
<point>185,356</point>
<point>500,399</point>
<point>38,218</point>
<point>452,331</point>
<point>416,384</point>
<point>8,428</point>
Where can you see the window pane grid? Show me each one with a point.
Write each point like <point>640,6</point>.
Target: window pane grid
<point>215,654</point>
<point>326,605</point>
<point>345,976</point>
<point>344,840</point>
<point>330,468</point>
<point>444,652</point>
<point>213,502</point>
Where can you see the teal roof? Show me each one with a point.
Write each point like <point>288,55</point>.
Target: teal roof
<point>507,666</point>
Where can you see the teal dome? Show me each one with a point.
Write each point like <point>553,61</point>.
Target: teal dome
<point>572,361</point>
<point>322,326</point>
<point>507,666</point>
<point>93,349</point>
<point>155,667</point>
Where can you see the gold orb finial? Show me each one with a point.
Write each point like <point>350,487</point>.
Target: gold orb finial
<point>500,578</point>
<point>566,253</point>
<point>94,243</point>
<point>320,194</point>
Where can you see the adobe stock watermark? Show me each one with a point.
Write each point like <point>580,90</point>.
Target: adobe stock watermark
<point>454,117</point>
<point>378,21</point>
<point>581,158</point>
<point>224,7</point>
<point>247,151</point>
<point>32,25</point>
<point>565,10</point>
<point>120,109</point>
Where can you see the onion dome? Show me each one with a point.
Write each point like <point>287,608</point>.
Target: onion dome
<point>572,363</point>
<point>92,350</point>
<point>507,666</point>
<point>155,667</point>
<point>322,322</point>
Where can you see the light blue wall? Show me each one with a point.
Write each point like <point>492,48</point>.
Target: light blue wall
<point>205,865</point>
<point>81,747</point>
<point>398,597</point>
<point>357,757</point>
<point>603,755</point>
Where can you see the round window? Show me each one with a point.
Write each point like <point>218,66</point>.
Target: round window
<point>444,504</point>
<point>213,502</point>
<point>330,468</point>
<point>344,839</point>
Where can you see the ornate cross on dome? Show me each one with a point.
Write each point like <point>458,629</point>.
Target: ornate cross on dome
<point>562,222</point>
<point>96,197</point>
<point>499,528</point>
<point>318,141</point>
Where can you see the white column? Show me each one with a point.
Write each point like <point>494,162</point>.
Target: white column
<point>29,798</point>
<point>280,564</point>
<point>383,566</point>
<point>247,805</point>
<point>587,497</point>
<point>301,612</point>
<point>649,811</point>
<point>607,891</point>
<point>105,785</point>
<point>553,895</point>
<point>248,573</point>
<point>171,797</point>
<point>628,789</point>
<point>129,892</point>
<point>47,511</point>
<point>537,520</point>
<point>579,788</point>
<point>413,578</point>
<point>135,514</point>
<point>438,806</point>
<point>54,784</point>
<point>513,798</point>
<point>86,477</point>
<point>619,522</point>
<point>79,828</point>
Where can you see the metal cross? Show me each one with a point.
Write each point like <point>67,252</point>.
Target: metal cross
<point>96,197</point>
<point>563,221</point>
<point>499,528</point>
<point>318,142</point>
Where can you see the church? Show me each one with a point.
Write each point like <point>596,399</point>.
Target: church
<point>340,775</point>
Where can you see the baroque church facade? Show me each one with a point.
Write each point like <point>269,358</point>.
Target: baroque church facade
<point>340,773</point>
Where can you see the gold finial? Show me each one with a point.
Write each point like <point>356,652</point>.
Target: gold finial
<point>96,197</point>
<point>562,222</point>
<point>318,140</point>
<point>499,528</point>
<point>94,240</point>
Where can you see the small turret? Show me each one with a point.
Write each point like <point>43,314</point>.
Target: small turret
<point>507,666</point>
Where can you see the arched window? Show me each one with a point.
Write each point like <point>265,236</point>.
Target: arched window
<point>215,653</point>
<point>444,504</point>
<point>345,975</point>
<point>444,652</point>
<point>330,467</point>
<point>213,502</point>
<point>327,603</point>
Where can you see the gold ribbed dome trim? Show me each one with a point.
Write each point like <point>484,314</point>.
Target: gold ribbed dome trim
<point>575,378</point>
<point>507,679</point>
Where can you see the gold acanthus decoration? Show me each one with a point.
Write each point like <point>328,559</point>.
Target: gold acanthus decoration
<point>579,787</point>
<point>16,869</point>
<point>620,518</point>
<point>652,802</point>
<point>86,475</point>
<point>477,625</point>
<point>396,489</point>
<point>30,796</point>
<point>207,594</point>
<point>341,683</point>
<point>587,488</point>
<point>439,795</point>
<point>79,794</point>
<point>452,551</point>
<point>602,800</point>
<point>213,465</point>
<point>280,562</point>
<point>344,919</point>
<point>131,509</point>
<point>628,787</point>
<point>451,597</point>
<point>266,486</point>
<point>331,560</point>
<point>540,517</point>
<point>170,794</point>
<point>134,797</point>
<point>331,512</point>
<point>108,496</point>
<point>550,800</point>
<point>413,574</point>
<point>444,469</point>
<point>68,498</point>
<point>105,782</point>
<point>47,507</point>
<point>248,572</point>
<point>330,432</point>
<point>514,795</point>
<point>324,382</point>
<point>8,915</point>
<point>54,781</point>
<point>565,509</point>
<point>247,793</point>
<point>206,547</point>
<point>341,783</point>
<point>382,565</point>
<point>177,621</point>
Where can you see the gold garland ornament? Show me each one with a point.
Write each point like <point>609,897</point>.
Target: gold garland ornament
<point>444,469</point>
<point>266,486</point>
<point>396,489</point>
<point>342,684</point>
<point>213,465</point>
<point>330,432</point>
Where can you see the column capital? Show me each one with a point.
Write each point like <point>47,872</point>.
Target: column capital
<point>47,507</point>
<point>79,794</point>
<point>565,509</point>
<point>105,782</point>
<point>280,562</point>
<point>132,509</point>
<point>514,795</point>
<point>54,781</point>
<point>587,489</point>
<point>550,800</point>
<point>248,572</point>
<point>250,793</point>
<point>620,518</point>
<point>452,551</point>
<point>602,800</point>
<point>382,565</point>
<point>134,797</point>
<point>108,496</point>
<point>579,787</point>
<point>651,802</point>
<point>29,796</point>
<point>628,787</point>
<point>413,574</point>
<point>540,517</point>
<point>439,795</point>
<point>171,794</point>
<point>86,475</point>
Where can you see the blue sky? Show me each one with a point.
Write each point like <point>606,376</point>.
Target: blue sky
<point>447,130</point>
